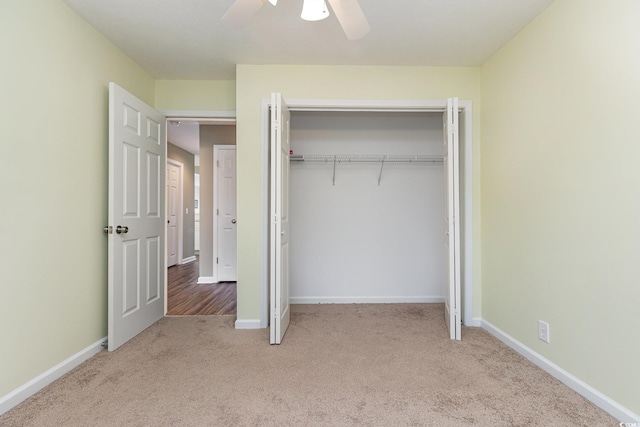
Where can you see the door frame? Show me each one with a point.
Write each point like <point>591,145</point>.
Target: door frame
<point>201,116</point>
<point>216,204</point>
<point>180,216</point>
<point>465,109</point>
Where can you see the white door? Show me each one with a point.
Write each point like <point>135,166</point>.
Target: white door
<point>136,271</point>
<point>225,210</point>
<point>279,232</point>
<point>173,195</point>
<point>452,222</point>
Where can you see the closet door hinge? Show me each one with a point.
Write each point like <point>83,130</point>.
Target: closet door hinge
<point>218,163</point>
<point>216,260</point>
<point>218,212</point>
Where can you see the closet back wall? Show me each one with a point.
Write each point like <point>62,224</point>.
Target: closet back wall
<point>357,241</point>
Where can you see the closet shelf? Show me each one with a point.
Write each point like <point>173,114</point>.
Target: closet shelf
<point>364,158</point>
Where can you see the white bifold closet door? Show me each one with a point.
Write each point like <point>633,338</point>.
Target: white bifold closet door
<point>452,220</point>
<point>279,231</point>
<point>279,219</point>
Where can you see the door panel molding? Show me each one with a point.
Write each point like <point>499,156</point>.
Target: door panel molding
<point>179,211</point>
<point>136,212</point>
<point>279,214</point>
<point>224,214</point>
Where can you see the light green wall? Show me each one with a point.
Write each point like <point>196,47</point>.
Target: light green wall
<point>198,95</point>
<point>561,191</point>
<point>255,83</point>
<point>53,113</point>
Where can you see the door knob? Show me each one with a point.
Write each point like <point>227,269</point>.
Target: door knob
<point>122,230</point>
<point>233,221</point>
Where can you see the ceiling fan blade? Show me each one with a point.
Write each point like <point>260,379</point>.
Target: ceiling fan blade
<point>351,17</point>
<point>241,12</point>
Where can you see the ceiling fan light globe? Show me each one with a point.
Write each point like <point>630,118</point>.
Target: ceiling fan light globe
<point>314,10</point>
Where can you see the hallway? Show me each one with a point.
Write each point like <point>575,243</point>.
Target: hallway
<point>186,297</point>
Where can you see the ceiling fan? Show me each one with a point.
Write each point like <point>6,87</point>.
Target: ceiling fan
<point>348,12</point>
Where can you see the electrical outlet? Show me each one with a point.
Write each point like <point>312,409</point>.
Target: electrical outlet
<point>543,331</point>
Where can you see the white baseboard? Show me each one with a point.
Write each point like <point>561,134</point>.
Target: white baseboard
<point>365,300</point>
<point>188,260</point>
<point>248,324</point>
<point>27,390</point>
<point>571,381</point>
<point>206,281</point>
<point>475,322</point>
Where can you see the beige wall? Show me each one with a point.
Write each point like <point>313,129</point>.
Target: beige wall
<point>188,197</point>
<point>53,111</point>
<point>561,191</point>
<point>210,135</point>
<point>255,83</point>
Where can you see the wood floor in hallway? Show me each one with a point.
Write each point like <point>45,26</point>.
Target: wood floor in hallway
<point>186,297</point>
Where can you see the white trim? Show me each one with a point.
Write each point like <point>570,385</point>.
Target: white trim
<point>475,322</point>
<point>264,229</point>
<point>188,260</point>
<point>594,396</point>
<point>467,247</point>
<point>379,105</point>
<point>200,114</point>
<point>248,324</point>
<point>204,280</point>
<point>366,300</point>
<point>27,390</point>
<point>465,107</point>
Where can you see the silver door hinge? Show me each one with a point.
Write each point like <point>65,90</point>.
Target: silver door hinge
<point>216,260</point>
<point>218,163</point>
<point>218,212</point>
<point>108,229</point>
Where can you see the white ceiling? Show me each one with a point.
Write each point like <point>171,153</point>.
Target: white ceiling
<point>186,39</point>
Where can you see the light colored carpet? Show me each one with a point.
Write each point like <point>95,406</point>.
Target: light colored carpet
<point>367,365</point>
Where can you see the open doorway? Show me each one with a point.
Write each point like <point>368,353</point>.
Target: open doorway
<point>190,288</point>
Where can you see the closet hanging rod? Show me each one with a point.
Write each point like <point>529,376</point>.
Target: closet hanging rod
<point>357,158</point>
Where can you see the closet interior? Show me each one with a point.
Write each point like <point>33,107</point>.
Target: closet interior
<point>367,207</point>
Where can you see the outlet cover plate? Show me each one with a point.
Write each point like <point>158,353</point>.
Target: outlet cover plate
<point>543,331</point>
